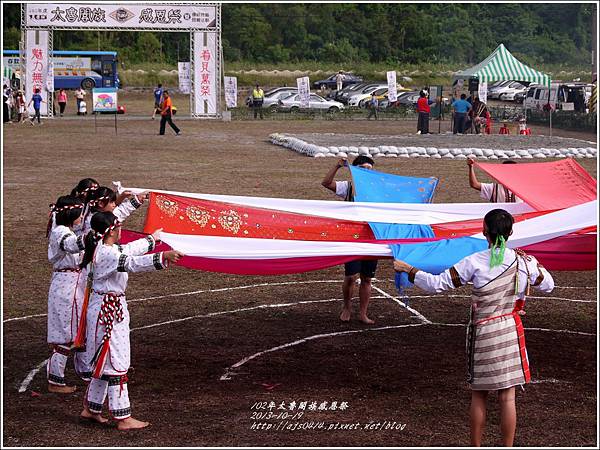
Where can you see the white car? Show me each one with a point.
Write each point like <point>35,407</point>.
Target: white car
<point>355,99</point>
<point>292,104</point>
<point>510,93</point>
<point>507,88</point>
<point>272,101</point>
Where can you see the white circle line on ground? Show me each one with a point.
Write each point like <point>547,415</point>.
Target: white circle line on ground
<point>249,286</point>
<point>29,378</point>
<point>420,316</point>
<point>230,371</point>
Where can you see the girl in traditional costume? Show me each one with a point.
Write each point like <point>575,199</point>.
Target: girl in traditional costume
<point>65,296</point>
<point>497,358</point>
<point>108,347</point>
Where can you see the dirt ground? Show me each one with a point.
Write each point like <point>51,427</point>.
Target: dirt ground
<point>401,383</point>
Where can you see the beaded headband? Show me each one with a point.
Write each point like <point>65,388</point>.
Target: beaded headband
<point>54,209</point>
<point>95,201</point>
<point>101,236</point>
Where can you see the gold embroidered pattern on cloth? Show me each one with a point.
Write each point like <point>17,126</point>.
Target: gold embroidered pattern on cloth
<point>230,220</point>
<point>169,207</point>
<point>198,215</point>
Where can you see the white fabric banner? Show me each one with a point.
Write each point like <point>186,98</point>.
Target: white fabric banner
<point>304,91</point>
<point>409,213</point>
<point>205,73</point>
<point>392,90</point>
<point>483,91</point>
<point>124,15</point>
<point>553,95</point>
<point>184,77</point>
<point>231,92</point>
<point>531,231</point>
<point>36,68</point>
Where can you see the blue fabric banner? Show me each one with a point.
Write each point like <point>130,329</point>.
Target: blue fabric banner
<point>373,186</point>
<point>435,257</point>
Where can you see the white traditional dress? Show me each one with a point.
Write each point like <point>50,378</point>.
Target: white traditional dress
<point>496,353</point>
<point>107,348</point>
<point>65,298</point>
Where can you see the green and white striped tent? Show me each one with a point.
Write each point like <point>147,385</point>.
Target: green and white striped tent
<point>501,65</point>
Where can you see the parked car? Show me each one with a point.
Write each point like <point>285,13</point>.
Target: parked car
<point>496,87</point>
<point>272,101</point>
<point>329,82</point>
<point>292,104</point>
<point>349,91</point>
<point>505,89</point>
<point>568,97</point>
<point>363,100</point>
<point>508,92</point>
<point>364,93</point>
<point>270,93</point>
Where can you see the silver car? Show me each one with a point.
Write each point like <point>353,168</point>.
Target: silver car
<point>292,104</point>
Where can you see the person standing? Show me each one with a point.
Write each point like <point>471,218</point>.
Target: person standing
<point>461,108</point>
<point>479,114</point>
<point>5,103</point>
<point>258,97</point>
<point>37,103</point>
<point>20,105</point>
<point>423,109</point>
<point>166,113</point>
<point>158,93</point>
<point>79,96</point>
<point>365,268</point>
<point>373,106</point>
<point>62,101</point>
<point>339,80</point>
<point>491,192</point>
<point>496,353</point>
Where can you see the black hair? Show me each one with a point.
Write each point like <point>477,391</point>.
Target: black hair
<point>165,92</point>
<point>362,159</point>
<point>37,90</point>
<point>499,223</point>
<point>159,85</point>
<point>100,223</point>
<point>463,96</point>
<point>66,210</point>
<point>422,94</point>
<point>509,162</point>
<point>84,189</point>
<point>102,195</point>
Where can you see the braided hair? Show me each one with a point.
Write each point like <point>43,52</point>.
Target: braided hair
<point>84,188</point>
<point>102,223</point>
<point>65,211</point>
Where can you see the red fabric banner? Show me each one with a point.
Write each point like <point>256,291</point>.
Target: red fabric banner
<point>545,186</point>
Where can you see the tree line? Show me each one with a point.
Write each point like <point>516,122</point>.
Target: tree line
<point>336,32</point>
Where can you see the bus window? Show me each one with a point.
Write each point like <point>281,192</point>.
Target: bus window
<point>107,69</point>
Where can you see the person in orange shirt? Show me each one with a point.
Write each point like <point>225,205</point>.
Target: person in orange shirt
<point>166,114</point>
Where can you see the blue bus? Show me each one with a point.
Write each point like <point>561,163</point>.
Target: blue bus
<point>74,69</point>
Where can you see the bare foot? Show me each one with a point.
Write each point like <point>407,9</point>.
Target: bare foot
<point>131,424</point>
<point>345,315</point>
<point>366,320</point>
<point>86,414</point>
<point>61,389</point>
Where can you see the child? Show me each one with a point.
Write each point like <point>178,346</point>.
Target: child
<point>83,191</point>
<point>108,317</point>
<point>66,289</point>
<point>20,106</point>
<point>497,358</point>
<point>105,199</point>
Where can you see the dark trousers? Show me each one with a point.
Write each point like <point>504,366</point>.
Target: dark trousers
<point>163,123</point>
<point>36,114</point>
<point>257,107</point>
<point>62,105</point>
<point>372,112</point>
<point>459,122</point>
<point>423,123</point>
<point>78,103</point>
<point>5,112</point>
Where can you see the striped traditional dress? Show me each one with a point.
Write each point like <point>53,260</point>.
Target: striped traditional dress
<point>497,358</point>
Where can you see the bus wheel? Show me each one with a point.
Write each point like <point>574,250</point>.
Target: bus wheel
<point>88,83</point>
